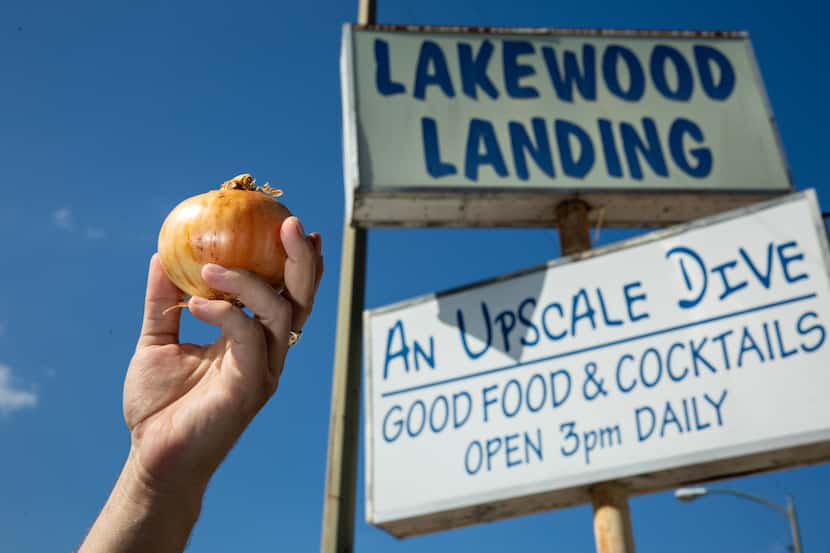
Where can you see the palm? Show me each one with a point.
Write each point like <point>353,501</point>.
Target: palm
<point>176,392</point>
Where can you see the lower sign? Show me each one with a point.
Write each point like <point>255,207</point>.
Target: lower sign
<point>694,353</point>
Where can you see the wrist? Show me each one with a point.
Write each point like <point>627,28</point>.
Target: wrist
<point>142,489</point>
<point>142,516</point>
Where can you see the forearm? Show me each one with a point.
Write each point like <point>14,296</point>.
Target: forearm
<point>138,518</point>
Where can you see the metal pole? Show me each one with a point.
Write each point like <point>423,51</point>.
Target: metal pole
<point>612,519</point>
<point>794,525</point>
<point>341,471</point>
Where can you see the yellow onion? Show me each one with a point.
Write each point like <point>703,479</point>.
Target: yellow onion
<point>237,226</point>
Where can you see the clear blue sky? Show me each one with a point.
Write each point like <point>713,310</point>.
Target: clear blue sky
<point>112,112</point>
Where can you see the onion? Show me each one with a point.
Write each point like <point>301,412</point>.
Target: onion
<point>237,227</point>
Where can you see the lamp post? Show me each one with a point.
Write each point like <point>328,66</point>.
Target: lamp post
<point>690,494</point>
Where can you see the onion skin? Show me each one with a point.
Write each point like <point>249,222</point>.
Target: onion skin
<point>237,227</point>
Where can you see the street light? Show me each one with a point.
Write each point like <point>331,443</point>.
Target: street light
<point>690,494</point>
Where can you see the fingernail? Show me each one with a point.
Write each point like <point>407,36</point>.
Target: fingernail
<point>215,270</point>
<point>300,229</point>
<point>196,301</point>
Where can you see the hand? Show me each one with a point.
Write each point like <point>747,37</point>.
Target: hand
<point>186,405</point>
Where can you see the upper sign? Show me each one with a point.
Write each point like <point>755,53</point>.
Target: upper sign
<point>473,127</point>
<point>698,352</point>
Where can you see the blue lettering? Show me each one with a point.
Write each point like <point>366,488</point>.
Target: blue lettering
<point>518,387</point>
<point>432,70</point>
<point>610,71</point>
<point>436,167</point>
<point>492,447</point>
<point>702,156</point>
<point>522,144</point>
<point>624,389</point>
<point>728,288</point>
<point>545,326</point>
<point>787,259</point>
<point>535,446</point>
<point>463,331</point>
<point>631,299</point>
<point>414,433</point>
<point>682,375</point>
<point>571,166</point>
<point>684,251</point>
<point>722,339</point>
<point>402,351</point>
<point>474,70</point>
<point>482,134</point>
<point>588,312</point>
<point>659,56</point>
<point>669,417</point>
<point>652,152</point>
<point>508,449</point>
<point>697,357</point>
<point>717,405</point>
<point>487,400</point>
<point>643,436</point>
<point>585,79</point>
<point>419,353</point>
<point>525,320</point>
<point>569,435</point>
<point>704,57</point>
<point>817,327</point>
<point>766,278</point>
<point>439,427</point>
<point>384,83</point>
<point>397,424</point>
<point>475,446</point>
<point>748,344</point>
<point>643,365</point>
<point>557,400</point>
<point>455,410</point>
<point>609,149</point>
<point>514,71</point>
<point>781,346</point>
<point>605,317</point>
<point>507,321</point>
<point>544,392</point>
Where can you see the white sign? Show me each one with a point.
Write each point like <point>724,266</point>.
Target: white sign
<point>435,118</point>
<point>696,352</point>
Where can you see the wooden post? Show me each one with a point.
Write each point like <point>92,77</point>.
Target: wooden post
<point>612,520</point>
<point>340,498</point>
<point>574,231</point>
<point>341,472</point>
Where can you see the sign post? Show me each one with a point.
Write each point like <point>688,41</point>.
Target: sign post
<point>341,467</point>
<point>613,531</point>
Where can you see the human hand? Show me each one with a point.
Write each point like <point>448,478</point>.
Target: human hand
<point>186,404</point>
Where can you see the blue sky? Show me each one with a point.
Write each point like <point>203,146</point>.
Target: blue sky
<point>112,112</point>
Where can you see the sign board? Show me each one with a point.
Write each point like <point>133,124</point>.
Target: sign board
<point>477,127</point>
<point>697,352</point>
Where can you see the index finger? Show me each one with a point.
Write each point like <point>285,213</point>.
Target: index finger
<point>160,328</point>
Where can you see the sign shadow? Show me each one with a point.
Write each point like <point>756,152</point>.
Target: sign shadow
<point>497,314</point>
